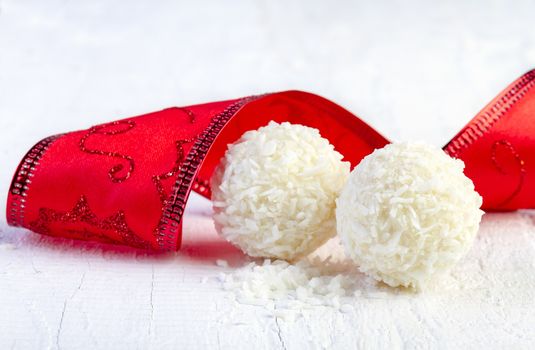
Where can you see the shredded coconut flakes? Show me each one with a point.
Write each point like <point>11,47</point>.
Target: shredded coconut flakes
<point>324,279</point>
<point>274,192</point>
<point>408,214</point>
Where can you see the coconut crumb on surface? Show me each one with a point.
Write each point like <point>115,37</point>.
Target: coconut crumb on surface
<point>324,279</point>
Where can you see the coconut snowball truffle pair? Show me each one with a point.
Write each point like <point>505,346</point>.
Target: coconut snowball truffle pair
<point>405,214</point>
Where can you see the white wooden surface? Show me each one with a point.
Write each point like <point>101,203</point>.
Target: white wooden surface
<point>414,70</point>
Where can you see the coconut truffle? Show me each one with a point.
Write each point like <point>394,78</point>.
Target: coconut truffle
<point>274,191</point>
<point>408,214</point>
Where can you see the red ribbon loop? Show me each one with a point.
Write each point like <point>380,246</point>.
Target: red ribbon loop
<point>127,182</point>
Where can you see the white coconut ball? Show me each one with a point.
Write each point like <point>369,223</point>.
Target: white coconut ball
<point>408,214</point>
<point>274,191</point>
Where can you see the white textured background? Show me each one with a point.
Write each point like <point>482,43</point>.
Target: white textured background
<point>412,69</point>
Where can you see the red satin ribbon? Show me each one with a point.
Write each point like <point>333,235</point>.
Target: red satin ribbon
<point>127,182</point>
